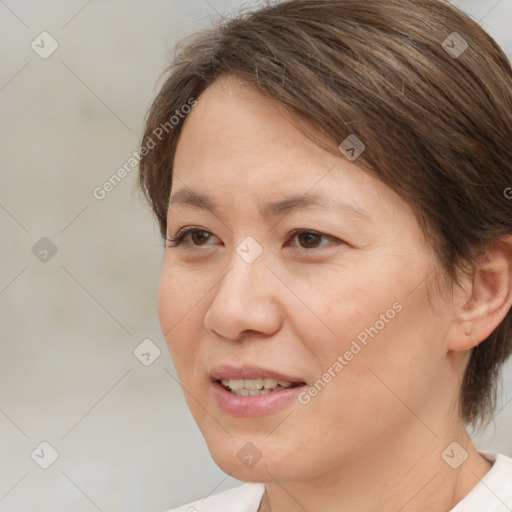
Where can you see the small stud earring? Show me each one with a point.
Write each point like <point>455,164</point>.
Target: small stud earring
<point>468,332</point>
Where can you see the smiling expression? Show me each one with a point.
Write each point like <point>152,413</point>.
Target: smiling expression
<point>294,253</point>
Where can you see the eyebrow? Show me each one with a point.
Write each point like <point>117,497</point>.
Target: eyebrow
<point>186,196</point>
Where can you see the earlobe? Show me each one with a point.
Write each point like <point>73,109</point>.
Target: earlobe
<point>486,297</point>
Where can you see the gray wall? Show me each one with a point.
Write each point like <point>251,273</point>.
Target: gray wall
<point>70,321</point>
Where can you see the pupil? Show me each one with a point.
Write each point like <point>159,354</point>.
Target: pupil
<point>197,236</point>
<point>310,237</point>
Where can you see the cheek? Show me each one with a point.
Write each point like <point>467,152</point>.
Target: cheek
<point>178,292</point>
<point>399,362</point>
<point>339,308</point>
<point>178,310</point>
<point>382,324</point>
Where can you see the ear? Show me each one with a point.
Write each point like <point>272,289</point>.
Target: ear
<point>485,297</point>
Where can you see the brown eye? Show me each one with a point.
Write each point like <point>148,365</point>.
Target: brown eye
<point>198,237</point>
<point>309,239</point>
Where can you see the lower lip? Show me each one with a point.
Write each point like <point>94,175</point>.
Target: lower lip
<point>260,405</point>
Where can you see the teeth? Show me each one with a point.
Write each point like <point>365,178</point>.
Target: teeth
<point>248,392</point>
<point>233,383</point>
<point>253,384</point>
<point>254,387</point>
<point>269,383</point>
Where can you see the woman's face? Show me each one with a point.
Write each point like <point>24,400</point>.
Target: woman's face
<point>341,314</point>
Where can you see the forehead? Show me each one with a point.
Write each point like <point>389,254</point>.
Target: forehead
<point>238,147</point>
<point>236,137</point>
<point>231,114</point>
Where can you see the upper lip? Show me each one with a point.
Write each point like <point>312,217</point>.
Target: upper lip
<point>226,371</point>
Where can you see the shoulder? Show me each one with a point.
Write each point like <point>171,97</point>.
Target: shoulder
<point>244,498</point>
<point>494,492</point>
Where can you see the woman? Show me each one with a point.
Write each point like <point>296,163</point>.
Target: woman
<point>336,284</point>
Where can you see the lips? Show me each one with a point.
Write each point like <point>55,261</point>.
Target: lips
<point>252,378</point>
<point>256,387</point>
<point>252,391</point>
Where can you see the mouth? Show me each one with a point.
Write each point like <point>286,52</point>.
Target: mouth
<point>251,391</point>
<point>256,387</point>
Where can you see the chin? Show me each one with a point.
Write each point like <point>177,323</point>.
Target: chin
<point>253,459</point>
<point>230,464</point>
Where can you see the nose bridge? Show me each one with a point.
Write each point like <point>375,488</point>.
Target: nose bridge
<point>239,283</point>
<point>248,268</point>
<point>244,299</point>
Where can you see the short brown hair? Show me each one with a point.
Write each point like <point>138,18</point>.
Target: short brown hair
<point>436,123</point>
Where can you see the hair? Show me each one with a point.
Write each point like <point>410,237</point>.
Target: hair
<point>436,125</point>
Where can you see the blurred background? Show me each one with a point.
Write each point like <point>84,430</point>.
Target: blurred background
<point>91,414</point>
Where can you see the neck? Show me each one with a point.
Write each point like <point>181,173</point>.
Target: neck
<point>406,473</point>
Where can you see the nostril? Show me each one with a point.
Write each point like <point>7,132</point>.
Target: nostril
<point>238,338</point>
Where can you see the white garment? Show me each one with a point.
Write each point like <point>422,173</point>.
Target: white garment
<point>492,494</point>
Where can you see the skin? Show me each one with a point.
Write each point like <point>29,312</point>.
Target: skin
<point>372,439</point>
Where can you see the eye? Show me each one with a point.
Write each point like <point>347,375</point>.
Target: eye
<point>196,235</point>
<point>308,238</point>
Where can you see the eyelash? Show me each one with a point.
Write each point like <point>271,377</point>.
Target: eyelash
<point>180,237</point>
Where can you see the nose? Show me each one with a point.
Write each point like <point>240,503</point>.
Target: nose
<point>245,300</point>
